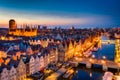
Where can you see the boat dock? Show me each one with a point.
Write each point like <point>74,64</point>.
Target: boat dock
<point>57,74</point>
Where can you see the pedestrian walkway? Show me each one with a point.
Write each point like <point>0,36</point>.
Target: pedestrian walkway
<point>57,74</point>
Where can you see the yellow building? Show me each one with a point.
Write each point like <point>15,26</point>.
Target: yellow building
<point>23,32</point>
<point>73,50</point>
<point>117,49</point>
<point>69,52</point>
<point>26,31</point>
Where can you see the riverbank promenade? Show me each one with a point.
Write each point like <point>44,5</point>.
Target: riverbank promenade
<point>103,62</point>
<point>57,74</point>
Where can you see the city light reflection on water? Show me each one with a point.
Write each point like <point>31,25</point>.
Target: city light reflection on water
<point>106,50</point>
<point>86,75</point>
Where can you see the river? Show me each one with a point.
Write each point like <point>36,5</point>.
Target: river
<point>89,74</point>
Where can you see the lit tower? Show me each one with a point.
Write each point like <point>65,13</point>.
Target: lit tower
<point>12,24</point>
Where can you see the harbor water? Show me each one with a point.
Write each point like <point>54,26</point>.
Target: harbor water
<point>107,50</point>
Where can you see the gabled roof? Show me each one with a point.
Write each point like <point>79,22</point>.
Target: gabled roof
<point>26,58</point>
<point>58,37</point>
<point>14,63</point>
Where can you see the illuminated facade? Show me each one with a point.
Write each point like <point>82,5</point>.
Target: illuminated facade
<point>70,51</point>
<point>73,50</point>
<point>32,65</point>
<point>21,70</point>
<point>53,56</point>
<point>117,49</point>
<point>61,53</point>
<point>4,74</point>
<point>78,49</point>
<point>13,74</point>
<point>26,31</point>
<point>37,64</point>
<point>41,62</point>
<point>23,32</point>
<point>46,59</point>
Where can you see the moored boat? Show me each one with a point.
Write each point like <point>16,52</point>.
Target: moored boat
<point>68,73</point>
<point>95,49</point>
<point>108,76</point>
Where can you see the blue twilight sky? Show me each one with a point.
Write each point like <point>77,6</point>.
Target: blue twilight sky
<point>94,13</point>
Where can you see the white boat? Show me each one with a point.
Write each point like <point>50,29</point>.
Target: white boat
<point>68,73</point>
<point>117,77</point>
<point>108,76</point>
<point>95,49</point>
<point>74,64</point>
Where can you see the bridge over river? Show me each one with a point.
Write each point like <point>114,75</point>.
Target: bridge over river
<point>91,61</point>
<point>108,41</point>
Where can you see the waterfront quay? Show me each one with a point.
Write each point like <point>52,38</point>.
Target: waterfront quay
<point>57,74</point>
<point>89,62</point>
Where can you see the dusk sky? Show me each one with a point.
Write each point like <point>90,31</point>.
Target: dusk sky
<point>61,12</point>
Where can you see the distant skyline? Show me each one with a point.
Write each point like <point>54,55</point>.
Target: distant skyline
<point>84,13</point>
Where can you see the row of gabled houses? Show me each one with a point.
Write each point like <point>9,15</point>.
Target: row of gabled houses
<point>15,70</point>
<point>39,55</point>
<point>27,65</point>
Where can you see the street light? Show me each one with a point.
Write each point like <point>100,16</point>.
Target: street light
<point>76,58</point>
<point>90,75</point>
<point>93,56</point>
<point>103,62</point>
<point>80,55</point>
<point>77,74</point>
<point>104,57</point>
<point>90,60</point>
